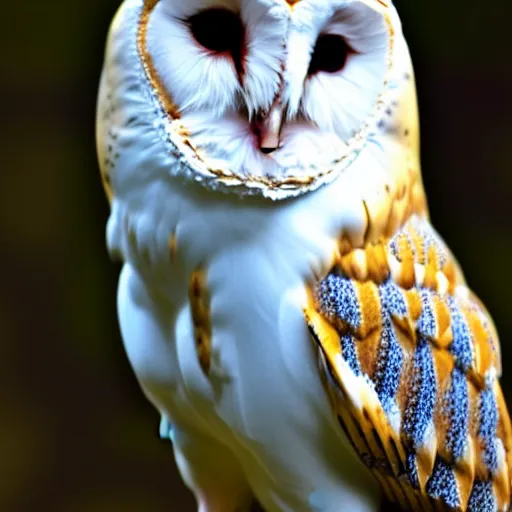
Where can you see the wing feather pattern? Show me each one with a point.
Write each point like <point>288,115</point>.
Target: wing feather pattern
<point>411,361</point>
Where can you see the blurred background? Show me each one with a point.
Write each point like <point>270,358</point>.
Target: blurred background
<point>76,434</point>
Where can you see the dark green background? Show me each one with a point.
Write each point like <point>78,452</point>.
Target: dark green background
<point>75,432</point>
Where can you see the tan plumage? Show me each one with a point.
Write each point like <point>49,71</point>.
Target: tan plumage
<point>412,360</point>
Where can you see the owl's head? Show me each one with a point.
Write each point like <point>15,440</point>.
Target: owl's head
<point>275,95</point>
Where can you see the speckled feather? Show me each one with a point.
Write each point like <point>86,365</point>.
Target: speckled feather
<point>413,365</point>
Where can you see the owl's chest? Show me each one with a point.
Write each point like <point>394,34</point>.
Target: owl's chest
<point>226,286</point>
<point>238,251</point>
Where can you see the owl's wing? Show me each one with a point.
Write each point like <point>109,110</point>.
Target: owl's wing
<point>411,361</point>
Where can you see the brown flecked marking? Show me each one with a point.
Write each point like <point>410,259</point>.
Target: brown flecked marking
<point>368,224</point>
<point>173,246</point>
<point>200,309</point>
<point>107,142</point>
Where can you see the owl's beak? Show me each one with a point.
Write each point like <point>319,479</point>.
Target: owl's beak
<point>269,127</point>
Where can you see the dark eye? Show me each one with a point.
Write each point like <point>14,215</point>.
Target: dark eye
<point>218,30</point>
<point>330,54</point>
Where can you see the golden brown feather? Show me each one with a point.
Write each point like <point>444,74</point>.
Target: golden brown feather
<point>412,362</point>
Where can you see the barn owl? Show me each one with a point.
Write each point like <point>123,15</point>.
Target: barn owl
<point>306,335</point>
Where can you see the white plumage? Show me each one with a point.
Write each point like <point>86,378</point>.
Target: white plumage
<point>222,242</point>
